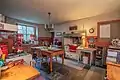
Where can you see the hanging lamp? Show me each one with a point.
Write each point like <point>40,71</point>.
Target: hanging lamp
<point>49,27</point>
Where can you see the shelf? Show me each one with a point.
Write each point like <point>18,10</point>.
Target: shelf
<point>98,57</point>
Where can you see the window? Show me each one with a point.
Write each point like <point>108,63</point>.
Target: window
<point>26,31</point>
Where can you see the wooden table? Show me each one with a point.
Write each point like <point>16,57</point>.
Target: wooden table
<point>20,72</point>
<point>113,71</point>
<point>51,54</point>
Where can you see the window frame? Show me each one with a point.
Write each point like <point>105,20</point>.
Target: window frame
<point>26,31</point>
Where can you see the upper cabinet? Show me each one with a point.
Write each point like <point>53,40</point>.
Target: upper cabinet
<point>8,27</point>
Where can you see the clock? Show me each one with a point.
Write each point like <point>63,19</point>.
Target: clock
<point>91,30</point>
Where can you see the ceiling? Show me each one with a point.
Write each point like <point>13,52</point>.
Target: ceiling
<point>61,10</point>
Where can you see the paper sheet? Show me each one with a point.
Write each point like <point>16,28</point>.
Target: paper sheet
<point>105,31</point>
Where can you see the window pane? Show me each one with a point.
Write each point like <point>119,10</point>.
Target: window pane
<point>24,29</point>
<point>30,30</point>
<point>20,31</point>
<point>36,32</point>
<point>28,37</point>
<point>24,37</point>
<point>19,27</point>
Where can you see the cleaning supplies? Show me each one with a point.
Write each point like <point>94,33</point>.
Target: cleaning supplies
<point>3,57</point>
<point>1,62</point>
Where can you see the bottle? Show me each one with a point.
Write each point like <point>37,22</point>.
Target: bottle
<point>51,45</point>
<point>3,56</point>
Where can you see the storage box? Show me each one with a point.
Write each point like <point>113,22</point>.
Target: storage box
<point>85,59</point>
<point>112,53</point>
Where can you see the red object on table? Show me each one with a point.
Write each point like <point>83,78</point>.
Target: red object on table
<point>72,48</point>
<point>4,49</point>
<point>19,48</point>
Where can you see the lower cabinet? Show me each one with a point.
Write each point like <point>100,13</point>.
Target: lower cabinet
<point>72,55</point>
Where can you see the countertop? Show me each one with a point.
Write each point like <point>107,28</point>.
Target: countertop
<point>20,72</point>
<point>86,49</point>
<point>113,71</point>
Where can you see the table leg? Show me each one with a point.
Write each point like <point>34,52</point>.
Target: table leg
<point>56,58</point>
<point>91,58</point>
<point>32,52</point>
<point>62,58</point>
<point>50,63</point>
<point>37,53</point>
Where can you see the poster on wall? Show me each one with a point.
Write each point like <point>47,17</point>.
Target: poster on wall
<point>105,31</point>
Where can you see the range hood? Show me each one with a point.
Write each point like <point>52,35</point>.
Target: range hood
<point>74,34</point>
<point>8,27</point>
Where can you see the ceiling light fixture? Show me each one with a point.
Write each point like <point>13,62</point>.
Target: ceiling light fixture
<point>49,27</point>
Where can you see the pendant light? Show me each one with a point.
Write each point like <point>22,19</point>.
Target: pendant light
<point>49,27</point>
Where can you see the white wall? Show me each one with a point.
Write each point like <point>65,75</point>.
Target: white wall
<point>42,32</point>
<point>88,23</point>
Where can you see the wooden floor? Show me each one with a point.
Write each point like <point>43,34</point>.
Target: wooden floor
<point>94,73</point>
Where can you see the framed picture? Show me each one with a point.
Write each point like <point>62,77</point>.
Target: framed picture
<point>58,33</point>
<point>105,31</point>
<point>73,27</point>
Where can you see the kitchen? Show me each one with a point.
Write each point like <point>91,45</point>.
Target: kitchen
<point>63,42</point>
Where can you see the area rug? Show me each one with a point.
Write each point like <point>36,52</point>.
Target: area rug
<point>62,72</point>
<point>71,63</point>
